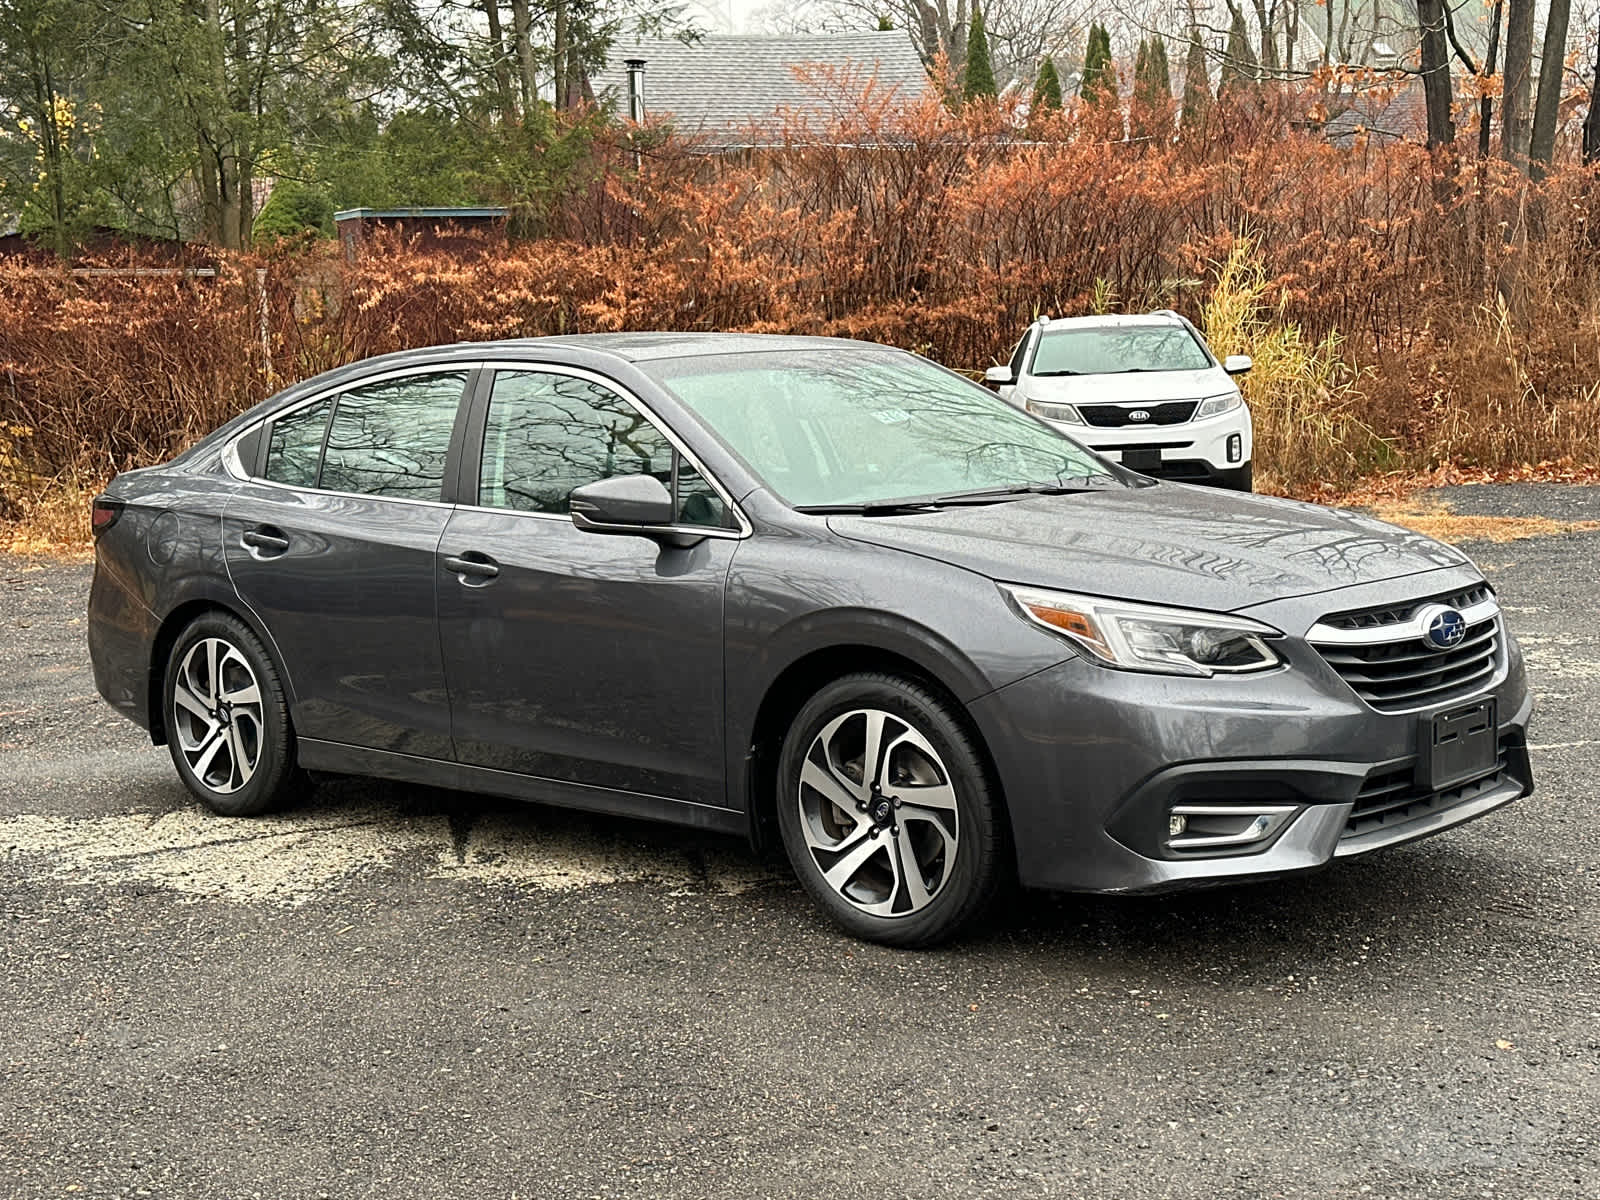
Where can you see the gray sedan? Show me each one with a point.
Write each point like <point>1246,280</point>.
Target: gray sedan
<point>823,594</point>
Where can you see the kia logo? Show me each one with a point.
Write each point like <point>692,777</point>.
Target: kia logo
<point>1138,414</point>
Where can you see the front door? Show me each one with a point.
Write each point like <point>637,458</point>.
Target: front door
<point>592,659</point>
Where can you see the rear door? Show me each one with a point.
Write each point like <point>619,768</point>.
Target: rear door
<point>332,544</point>
<point>593,659</point>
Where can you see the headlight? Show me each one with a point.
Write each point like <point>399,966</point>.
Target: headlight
<point>1215,406</point>
<point>1144,637</point>
<point>1055,412</point>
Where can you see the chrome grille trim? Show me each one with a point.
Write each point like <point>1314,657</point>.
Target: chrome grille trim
<point>1381,655</point>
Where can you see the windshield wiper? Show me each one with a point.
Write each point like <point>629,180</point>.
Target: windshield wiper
<point>889,508</point>
<point>1056,374</point>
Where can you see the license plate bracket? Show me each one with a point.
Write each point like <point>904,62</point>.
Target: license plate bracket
<point>1142,460</point>
<point>1459,745</point>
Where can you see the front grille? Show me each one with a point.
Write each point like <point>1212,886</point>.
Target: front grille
<point>1115,416</point>
<point>1402,672</point>
<point>1392,798</point>
<point>1372,618</point>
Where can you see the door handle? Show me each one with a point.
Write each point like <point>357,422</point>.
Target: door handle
<point>472,564</point>
<point>266,538</point>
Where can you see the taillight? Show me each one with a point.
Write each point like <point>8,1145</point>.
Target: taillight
<point>103,514</point>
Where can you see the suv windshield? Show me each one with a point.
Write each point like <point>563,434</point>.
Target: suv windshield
<point>865,427</point>
<point>1118,349</point>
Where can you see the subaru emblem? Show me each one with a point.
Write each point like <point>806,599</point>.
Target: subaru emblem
<point>1443,627</point>
<point>1138,414</point>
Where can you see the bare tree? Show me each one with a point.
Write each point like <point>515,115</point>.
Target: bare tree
<point>1514,116</point>
<point>1436,88</point>
<point>1591,124</point>
<point>1552,72</point>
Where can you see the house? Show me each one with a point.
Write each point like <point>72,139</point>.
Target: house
<point>726,89</point>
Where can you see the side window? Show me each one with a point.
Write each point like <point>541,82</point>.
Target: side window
<point>547,434</point>
<point>391,438</point>
<point>295,451</point>
<point>1018,354</point>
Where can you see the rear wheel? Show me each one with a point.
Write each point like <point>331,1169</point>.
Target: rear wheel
<point>887,812</point>
<point>226,718</point>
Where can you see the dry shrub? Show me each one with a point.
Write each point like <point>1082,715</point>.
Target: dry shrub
<point>1401,311</point>
<point>1304,396</point>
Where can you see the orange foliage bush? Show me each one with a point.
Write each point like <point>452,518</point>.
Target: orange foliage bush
<point>1467,299</point>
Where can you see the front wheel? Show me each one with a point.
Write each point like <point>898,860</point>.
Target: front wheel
<point>226,718</point>
<point>887,812</point>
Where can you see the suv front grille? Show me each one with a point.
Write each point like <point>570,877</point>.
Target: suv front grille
<point>1115,416</point>
<point>1383,658</point>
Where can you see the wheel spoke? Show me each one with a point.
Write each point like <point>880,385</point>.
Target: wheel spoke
<point>938,796</point>
<point>184,696</point>
<point>242,768</point>
<point>910,868</point>
<point>832,788</point>
<point>873,758</point>
<point>843,871</point>
<point>206,752</point>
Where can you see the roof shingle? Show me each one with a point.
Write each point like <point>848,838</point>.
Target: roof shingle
<point>731,84</point>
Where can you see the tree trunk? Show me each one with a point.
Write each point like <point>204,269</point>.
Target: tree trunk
<point>1436,89</point>
<point>522,30</point>
<point>1518,82</point>
<point>560,54</point>
<point>502,73</point>
<point>1486,105</point>
<point>1591,124</point>
<point>1552,72</point>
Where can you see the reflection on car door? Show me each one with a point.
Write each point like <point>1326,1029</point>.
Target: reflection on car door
<point>585,658</point>
<point>332,544</point>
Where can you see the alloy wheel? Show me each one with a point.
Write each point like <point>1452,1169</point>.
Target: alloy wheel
<point>878,813</point>
<point>217,715</point>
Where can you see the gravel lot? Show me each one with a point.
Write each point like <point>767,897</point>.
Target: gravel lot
<point>395,992</point>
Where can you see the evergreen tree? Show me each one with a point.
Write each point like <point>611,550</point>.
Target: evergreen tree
<point>1099,76</point>
<point>979,78</point>
<point>1239,64</point>
<point>1047,87</point>
<point>1151,113</point>
<point>1196,85</point>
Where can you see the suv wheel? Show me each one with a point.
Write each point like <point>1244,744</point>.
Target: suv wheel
<point>887,813</point>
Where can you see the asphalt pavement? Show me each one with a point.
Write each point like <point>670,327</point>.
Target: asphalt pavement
<point>396,992</point>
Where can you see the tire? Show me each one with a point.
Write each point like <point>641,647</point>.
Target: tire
<point>1241,479</point>
<point>848,834</point>
<point>233,747</point>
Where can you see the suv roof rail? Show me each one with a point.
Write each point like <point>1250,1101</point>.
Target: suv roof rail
<point>1042,319</point>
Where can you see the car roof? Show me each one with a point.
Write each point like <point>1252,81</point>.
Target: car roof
<point>1113,321</point>
<point>630,347</point>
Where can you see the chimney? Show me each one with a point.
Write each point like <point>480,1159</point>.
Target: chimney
<point>635,89</point>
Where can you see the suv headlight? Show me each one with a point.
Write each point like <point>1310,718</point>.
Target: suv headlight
<point>1215,406</point>
<point>1055,412</point>
<point>1145,637</point>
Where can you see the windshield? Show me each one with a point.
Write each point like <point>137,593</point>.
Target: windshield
<point>855,427</point>
<point>1118,349</point>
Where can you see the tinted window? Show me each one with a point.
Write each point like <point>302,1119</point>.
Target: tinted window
<point>548,434</point>
<point>1114,350</point>
<point>1016,356</point>
<point>295,451</point>
<point>391,438</point>
<point>850,427</point>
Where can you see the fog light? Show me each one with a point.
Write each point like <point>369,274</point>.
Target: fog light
<point>1176,824</point>
<point>1235,447</point>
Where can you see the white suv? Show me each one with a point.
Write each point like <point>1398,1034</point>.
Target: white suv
<point>1145,389</point>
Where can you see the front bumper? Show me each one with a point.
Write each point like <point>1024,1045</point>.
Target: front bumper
<point>1215,449</point>
<point>1093,762</point>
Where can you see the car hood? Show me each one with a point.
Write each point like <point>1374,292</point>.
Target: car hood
<point>1136,387</point>
<point>1164,543</point>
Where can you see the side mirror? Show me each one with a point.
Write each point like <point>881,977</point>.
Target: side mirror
<point>621,504</point>
<point>1238,364</point>
<point>997,376</point>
